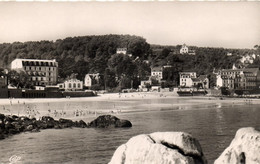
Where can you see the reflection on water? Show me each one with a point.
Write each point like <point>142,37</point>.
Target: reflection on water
<point>214,125</point>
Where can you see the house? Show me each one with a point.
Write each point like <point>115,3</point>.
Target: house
<point>186,78</point>
<point>185,50</point>
<point>121,51</point>
<point>41,72</point>
<point>73,85</point>
<point>201,80</point>
<point>190,79</point>
<point>91,79</point>
<point>248,59</point>
<point>145,84</point>
<point>157,72</point>
<point>245,78</point>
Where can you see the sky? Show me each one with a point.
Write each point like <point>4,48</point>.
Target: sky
<point>203,24</point>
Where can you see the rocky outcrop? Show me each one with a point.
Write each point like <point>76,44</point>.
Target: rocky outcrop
<point>245,148</point>
<point>160,147</point>
<point>106,121</point>
<point>10,125</point>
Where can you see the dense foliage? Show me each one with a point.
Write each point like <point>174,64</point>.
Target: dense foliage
<point>97,54</point>
<point>205,62</point>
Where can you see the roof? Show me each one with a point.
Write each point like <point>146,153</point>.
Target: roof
<point>251,70</point>
<point>195,79</point>
<point>121,49</point>
<point>245,70</point>
<point>34,60</point>
<point>157,69</point>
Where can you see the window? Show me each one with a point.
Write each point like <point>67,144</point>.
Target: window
<point>78,85</point>
<point>74,85</point>
<point>69,85</point>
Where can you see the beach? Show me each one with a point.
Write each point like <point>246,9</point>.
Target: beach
<point>115,103</point>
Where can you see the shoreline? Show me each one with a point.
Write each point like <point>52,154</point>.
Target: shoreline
<point>113,103</point>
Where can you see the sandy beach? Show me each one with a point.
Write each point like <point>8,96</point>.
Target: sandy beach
<point>88,108</point>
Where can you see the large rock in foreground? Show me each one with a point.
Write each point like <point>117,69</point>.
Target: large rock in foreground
<point>106,121</point>
<point>160,147</point>
<point>245,148</point>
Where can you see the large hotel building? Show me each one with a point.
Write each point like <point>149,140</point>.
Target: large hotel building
<point>41,72</point>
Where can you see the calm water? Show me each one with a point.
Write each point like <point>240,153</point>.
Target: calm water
<point>214,125</point>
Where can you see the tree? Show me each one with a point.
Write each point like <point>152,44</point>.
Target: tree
<point>19,79</point>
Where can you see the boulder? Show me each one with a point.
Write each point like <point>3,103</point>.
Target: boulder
<point>80,124</point>
<point>2,116</point>
<point>244,148</point>
<point>47,118</point>
<point>66,123</point>
<point>160,147</point>
<point>29,128</point>
<point>106,121</point>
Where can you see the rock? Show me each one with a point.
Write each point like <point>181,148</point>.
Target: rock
<point>47,118</point>
<point>160,147</point>
<point>109,121</point>
<point>2,116</point>
<point>244,148</point>
<point>80,124</point>
<point>66,123</point>
<point>29,128</point>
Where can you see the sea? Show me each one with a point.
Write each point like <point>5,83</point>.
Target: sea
<point>213,123</point>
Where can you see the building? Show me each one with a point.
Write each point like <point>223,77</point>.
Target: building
<point>72,85</point>
<point>186,78</point>
<point>244,79</point>
<point>190,79</point>
<point>248,59</point>
<point>185,50</point>
<point>92,79</point>
<point>121,51</point>
<point>201,81</point>
<point>157,72</point>
<point>41,72</point>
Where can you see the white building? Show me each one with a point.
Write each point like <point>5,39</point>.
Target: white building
<point>185,50</point>
<point>73,85</point>
<point>121,51</point>
<point>157,72</point>
<point>91,79</point>
<point>186,78</point>
<point>219,81</point>
<point>41,72</point>
<point>248,59</point>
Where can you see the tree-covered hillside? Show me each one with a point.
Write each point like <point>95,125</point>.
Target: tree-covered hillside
<point>97,54</point>
<point>79,55</point>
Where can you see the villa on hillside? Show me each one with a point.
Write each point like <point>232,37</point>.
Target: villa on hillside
<point>248,59</point>
<point>157,72</point>
<point>123,51</point>
<point>185,50</point>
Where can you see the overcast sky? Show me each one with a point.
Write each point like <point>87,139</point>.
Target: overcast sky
<point>205,24</point>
